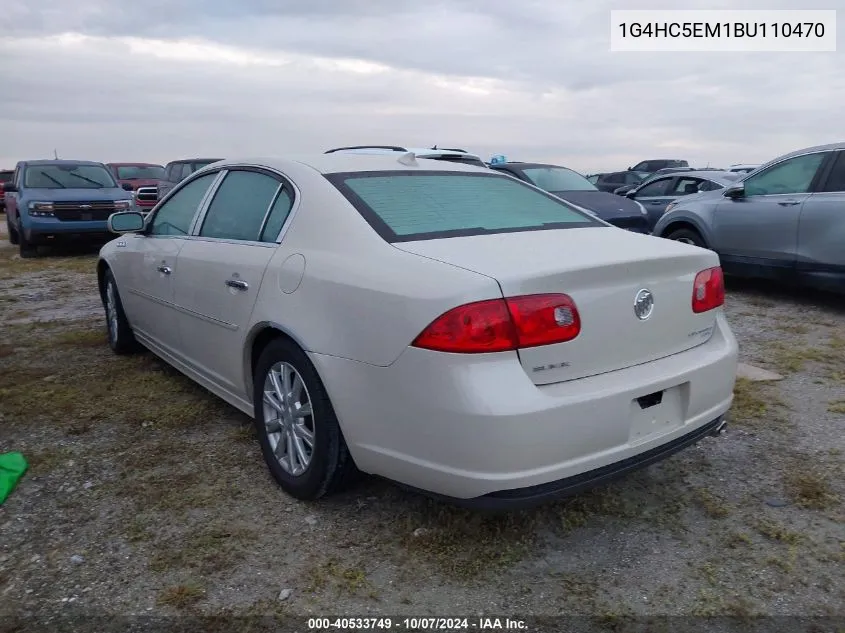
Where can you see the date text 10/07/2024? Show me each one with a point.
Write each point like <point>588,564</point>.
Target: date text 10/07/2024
<point>722,29</point>
<point>416,624</point>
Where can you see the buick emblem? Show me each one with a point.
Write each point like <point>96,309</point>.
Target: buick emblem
<point>643,304</point>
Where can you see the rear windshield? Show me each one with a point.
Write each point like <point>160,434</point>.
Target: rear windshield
<point>6,176</point>
<point>68,176</point>
<point>140,172</point>
<point>407,206</point>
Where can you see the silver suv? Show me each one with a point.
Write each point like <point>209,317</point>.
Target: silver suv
<point>785,220</point>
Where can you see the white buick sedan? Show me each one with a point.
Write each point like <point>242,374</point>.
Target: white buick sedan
<point>441,325</point>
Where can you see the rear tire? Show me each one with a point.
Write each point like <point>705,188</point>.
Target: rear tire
<point>12,231</point>
<point>687,236</point>
<point>305,452</point>
<point>121,339</point>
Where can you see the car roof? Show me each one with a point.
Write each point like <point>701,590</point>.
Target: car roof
<point>717,176</point>
<point>342,162</point>
<point>193,160</point>
<point>133,164</point>
<point>520,165</point>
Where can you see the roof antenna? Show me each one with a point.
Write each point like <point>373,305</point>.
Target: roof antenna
<point>55,154</point>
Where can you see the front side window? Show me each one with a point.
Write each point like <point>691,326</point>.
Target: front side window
<point>794,175</point>
<point>175,216</point>
<point>653,189</point>
<point>557,179</point>
<point>239,206</point>
<point>407,206</point>
<point>68,176</point>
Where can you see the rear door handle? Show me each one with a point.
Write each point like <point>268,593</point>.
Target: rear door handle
<point>164,270</point>
<point>788,203</point>
<point>239,284</point>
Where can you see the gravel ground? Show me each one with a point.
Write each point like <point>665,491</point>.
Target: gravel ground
<point>147,495</point>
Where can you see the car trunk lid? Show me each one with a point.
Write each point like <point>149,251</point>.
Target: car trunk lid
<point>602,269</point>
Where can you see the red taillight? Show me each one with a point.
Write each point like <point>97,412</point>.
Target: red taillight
<point>708,290</point>
<point>500,325</point>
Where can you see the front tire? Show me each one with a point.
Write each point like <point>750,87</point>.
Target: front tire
<point>12,231</point>
<point>296,425</point>
<point>687,236</point>
<point>27,249</point>
<point>121,339</point>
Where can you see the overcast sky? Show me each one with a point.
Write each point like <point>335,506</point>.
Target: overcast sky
<point>156,80</point>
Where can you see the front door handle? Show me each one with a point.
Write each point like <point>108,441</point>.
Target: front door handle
<point>238,284</point>
<point>164,270</point>
<point>788,203</point>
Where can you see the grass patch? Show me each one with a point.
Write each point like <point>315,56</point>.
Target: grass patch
<point>715,507</point>
<point>80,338</point>
<point>750,405</point>
<point>792,328</point>
<point>737,540</point>
<point>792,358</point>
<point>213,549</point>
<point>836,406</point>
<point>181,596</point>
<point>777,532</point>
<point>465,544</point>
<point>12,265</point>
<point>810,488</point>
<point>343,579</point>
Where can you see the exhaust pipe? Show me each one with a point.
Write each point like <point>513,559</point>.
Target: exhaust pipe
<point>720,429</point>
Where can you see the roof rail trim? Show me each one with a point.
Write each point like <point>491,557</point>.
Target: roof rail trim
<point>394,148</point>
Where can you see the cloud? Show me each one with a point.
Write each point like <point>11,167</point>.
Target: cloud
<point>156,80</point>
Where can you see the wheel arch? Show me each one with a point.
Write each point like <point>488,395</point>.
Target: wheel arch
<point>688,224</point>
<point>258,338</point>
<point>102,267</point>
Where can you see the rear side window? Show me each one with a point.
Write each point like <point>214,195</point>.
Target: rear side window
<point>836,179</point>
<point>407,206</point>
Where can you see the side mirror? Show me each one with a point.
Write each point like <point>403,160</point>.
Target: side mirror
<point>126,186</point>
<point>126,222</point>
<point>735,191</point>
<point>9,188</point>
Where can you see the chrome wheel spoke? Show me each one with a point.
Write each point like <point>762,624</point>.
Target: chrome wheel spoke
<point>296,389</point>
<point>304,435</point>
<point>271,398</point>
<point>293,457</point>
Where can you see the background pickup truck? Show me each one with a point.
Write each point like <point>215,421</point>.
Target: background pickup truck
<point>174,173</point>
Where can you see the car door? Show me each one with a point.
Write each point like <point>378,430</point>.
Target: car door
<point>221,269</point>
<point>761,226</point>
<point>821,228</point>
<point>147,264</point>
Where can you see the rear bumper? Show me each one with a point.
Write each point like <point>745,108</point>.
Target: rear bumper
<point>470,428</point>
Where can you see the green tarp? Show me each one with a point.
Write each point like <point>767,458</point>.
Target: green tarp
<point>12,468</point>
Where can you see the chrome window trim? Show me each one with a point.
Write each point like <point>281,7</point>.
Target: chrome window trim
<point>275,197</point>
